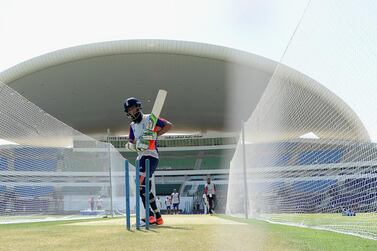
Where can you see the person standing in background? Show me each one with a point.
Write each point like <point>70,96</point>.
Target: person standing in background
<point>175,200</point>
<point>168,204</point>
<point>210,191</point>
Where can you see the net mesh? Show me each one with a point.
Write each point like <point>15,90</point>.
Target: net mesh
<point>309,149</point>
<point>48,170</point>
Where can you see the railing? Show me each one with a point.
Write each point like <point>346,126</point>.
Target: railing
<point>119,142</point>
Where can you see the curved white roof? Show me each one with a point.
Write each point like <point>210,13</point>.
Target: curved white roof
<point>85,86</point>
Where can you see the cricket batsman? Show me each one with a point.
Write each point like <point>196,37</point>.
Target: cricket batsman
<point>144,142</point>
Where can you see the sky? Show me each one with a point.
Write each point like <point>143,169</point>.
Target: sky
<point>334,44</point>
<point>33,28</point>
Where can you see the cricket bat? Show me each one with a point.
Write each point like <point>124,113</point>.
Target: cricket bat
<point>157,107</point>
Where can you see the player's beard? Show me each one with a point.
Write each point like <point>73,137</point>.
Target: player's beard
<point>137,117</point>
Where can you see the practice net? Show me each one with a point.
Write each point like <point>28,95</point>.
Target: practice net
<point>50,171</point>
<point>308,155</point>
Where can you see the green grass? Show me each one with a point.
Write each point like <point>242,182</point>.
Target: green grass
<point>179,233</point>
<point>362,224</point>
<point>298,238</point>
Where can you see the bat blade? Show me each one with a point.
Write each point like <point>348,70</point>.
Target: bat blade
<point>157,107</point>
<point>159,102</point>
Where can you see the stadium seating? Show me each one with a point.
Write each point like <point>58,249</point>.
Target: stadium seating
<point>257,187</point>
<point>276,160</point>
<point>164,189</point>
<point>312,185</point>
<point>119,142</point>
<point>33,191</point>
<point>3,164</point>
<point>32,151</point>
<point>177,164</point>
<point>320,157</point>
<point>212,163</point>
<point>23,164</point>
<point>74,190</point>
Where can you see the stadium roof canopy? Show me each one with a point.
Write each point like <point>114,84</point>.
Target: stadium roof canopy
<point>85,86</point>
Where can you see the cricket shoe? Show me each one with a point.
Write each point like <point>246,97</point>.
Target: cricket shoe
<point>142,224</point>
<point>152,220</point>
<point>159,221</point>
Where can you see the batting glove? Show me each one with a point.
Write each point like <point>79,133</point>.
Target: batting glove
<point>131,147</point>
<point>142,145</point>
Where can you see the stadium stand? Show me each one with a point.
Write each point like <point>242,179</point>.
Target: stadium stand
<point>33,191</point>
<point>3,164</point>
<point>23,164</point>
<point>320,157</point>
<point>165,189</point>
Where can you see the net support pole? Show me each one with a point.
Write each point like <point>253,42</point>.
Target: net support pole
<point>244,170</point>
<point>153,184</point>
<point>147,174</point>
<point>137,194</point>
<point>110,174</point>
<point>127,194</point>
